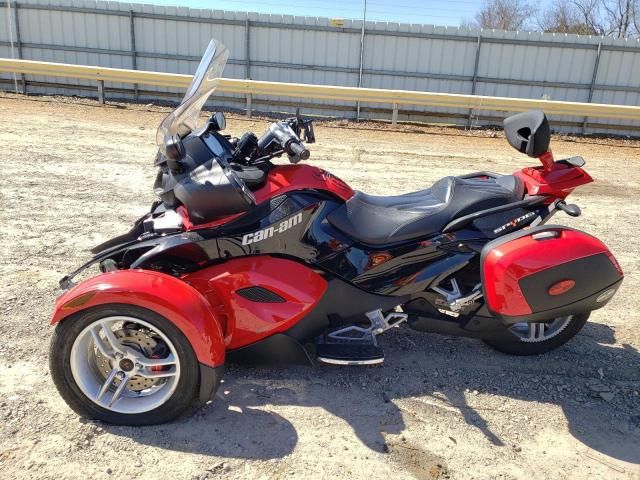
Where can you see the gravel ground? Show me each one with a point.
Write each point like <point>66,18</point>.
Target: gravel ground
<point>74,173</point>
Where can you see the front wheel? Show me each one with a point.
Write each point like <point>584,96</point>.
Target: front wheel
<point>123,365</point>
<point>536,338</point>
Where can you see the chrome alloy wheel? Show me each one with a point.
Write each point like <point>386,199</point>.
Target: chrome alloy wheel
<point>540,331</point>
<point>125,364</point>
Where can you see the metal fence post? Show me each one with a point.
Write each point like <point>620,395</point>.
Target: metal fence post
<point>247,61</point>
<point>16,20</point>
<point>101,91</point>
<point>549,48</point>
<point>475,77</point>
<point>362,33</point>
<point>394,114</point>
<point>134,60</point>
<point>593,82</point>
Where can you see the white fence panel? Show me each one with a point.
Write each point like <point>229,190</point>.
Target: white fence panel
<point>314,50</point>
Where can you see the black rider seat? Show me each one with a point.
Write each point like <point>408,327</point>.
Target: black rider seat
<point>377,220</point>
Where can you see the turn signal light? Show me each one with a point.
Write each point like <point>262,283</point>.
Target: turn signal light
<point>563,286</point>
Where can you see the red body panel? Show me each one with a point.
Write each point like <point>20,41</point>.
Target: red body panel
<point>508,263</point>
<point>172,298</point>
<point>282,179</point>
<point>248,321</point>
<point>558,181</point>
<point>204,305</point>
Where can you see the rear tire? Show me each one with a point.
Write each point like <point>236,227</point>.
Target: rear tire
<point>174,402</point>
<point>523,347</point>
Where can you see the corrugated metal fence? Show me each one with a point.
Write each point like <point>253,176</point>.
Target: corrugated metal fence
<point>310,50</point>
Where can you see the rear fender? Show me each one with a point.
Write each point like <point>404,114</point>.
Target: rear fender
<point>168,296</point>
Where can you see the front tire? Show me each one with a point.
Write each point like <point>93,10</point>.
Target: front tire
<point>123,365</point>
<point>538,338</point>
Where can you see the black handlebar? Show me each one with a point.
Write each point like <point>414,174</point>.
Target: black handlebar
<point>282,137</point>
<point>286,138</point>
<point>298,152</point>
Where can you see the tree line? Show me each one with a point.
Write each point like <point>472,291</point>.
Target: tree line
<point>616,18</point>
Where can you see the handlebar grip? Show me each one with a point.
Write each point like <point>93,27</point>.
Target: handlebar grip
<point>298,150</point>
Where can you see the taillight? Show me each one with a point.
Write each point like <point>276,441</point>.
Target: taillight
<point>563,286</point>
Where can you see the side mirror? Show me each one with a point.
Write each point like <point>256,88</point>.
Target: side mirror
<point>528,132</point>
<point>308,134</point>
<point>217,122</point>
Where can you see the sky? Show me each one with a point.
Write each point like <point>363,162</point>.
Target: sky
<point>436,12</point>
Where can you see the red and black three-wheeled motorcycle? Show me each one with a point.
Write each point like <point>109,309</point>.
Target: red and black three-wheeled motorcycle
<point>244,259</point>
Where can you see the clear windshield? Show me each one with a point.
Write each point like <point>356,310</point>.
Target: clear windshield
<point>184,118</point>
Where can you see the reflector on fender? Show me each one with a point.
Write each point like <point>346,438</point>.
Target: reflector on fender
<point>79,300</point>
<point>563,286</point>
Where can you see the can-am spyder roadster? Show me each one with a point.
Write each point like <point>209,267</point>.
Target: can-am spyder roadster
<point>242,258</point>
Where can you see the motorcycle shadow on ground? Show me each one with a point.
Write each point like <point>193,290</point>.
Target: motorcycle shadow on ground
<point>424,379</point>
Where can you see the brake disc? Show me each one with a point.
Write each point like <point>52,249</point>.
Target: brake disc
<point>139,340</point>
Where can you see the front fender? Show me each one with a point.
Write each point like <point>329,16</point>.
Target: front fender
<point>168,296</point>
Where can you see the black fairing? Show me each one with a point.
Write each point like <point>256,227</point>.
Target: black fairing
<point>528,132</point>
<point>203,179</point>
<point>129,237</point>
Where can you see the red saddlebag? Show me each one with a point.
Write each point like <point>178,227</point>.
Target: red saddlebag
<point>546,272</point>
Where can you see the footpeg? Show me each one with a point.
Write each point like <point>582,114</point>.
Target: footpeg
<point>357,345</point>
<point>454,297</point>
<point>379,324</point>
<point>349,353</point>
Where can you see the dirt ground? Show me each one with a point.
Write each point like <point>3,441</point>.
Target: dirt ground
<point>73,174</point>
